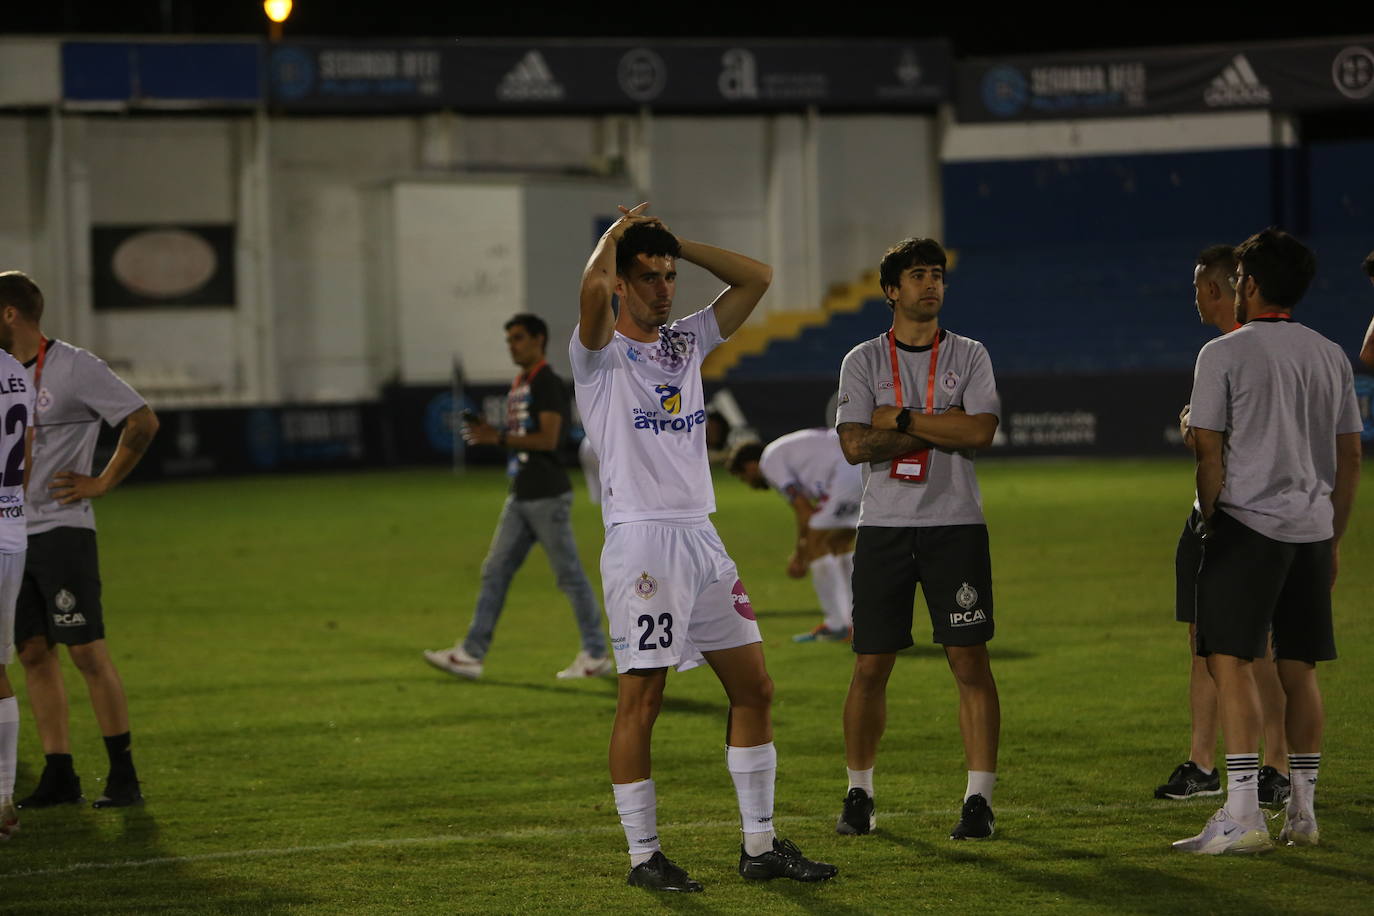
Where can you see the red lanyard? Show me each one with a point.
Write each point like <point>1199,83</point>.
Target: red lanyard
<point>38,367</point>
<point>897,372</point>
<point>527,377</point>
<point>1287,316</point>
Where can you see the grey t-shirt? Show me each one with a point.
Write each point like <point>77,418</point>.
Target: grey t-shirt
<point>1281,393</point>
<point>77,391</point>
<point>963,378</point>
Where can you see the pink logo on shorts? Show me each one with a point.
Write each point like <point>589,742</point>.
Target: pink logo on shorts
<point>741,600</point>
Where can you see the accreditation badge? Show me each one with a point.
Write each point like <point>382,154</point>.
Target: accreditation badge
<point>911,467</point>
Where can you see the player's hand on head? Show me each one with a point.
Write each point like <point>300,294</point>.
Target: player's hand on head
<point>68,487</point>
<point>631,216</point>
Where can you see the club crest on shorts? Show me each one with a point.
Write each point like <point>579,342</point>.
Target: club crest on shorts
<point>65,600</point>
<point>646,586</point>
<point>966,597</point>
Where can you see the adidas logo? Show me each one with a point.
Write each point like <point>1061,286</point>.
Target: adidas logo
<point>530,80</point>
<point>1237,85</point>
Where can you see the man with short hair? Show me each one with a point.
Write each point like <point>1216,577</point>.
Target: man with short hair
<point>60,600</point>
<point>16,408</point>
<point>824,490</point>
<point>538,508</point>
<point>673,595</point>
<point>915,402</point>
<point>1198,776</point>
<point>1367,349</point>
<point>1277,437</point>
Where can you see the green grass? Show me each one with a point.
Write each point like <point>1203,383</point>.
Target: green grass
<point>298,756</point>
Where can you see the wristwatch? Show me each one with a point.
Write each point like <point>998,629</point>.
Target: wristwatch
<point>903,421</point>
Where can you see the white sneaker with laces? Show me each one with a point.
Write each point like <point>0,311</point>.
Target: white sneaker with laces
<point>455,661</point>
<point>1299,828</point>
<point>587,666</point>
<point>1225,835</point>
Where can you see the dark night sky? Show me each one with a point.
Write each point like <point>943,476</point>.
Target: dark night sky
<point>976,30</point>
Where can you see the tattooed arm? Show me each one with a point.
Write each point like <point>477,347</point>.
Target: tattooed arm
<point>862,443</point>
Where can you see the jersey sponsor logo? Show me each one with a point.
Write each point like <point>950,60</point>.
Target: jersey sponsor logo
<point>646,586</point>
<point>967,618</point>
<point>77,619</point>
<point>633,354</point>
<point>65,600</point>
<point>12,512</point>
<point>647,420</point>
<point>669,398</point>
<point>740,599</point>
<point>885,384</point>
<point>966,597</point>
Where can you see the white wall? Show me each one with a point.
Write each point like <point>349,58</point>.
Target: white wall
<point>19,217</point>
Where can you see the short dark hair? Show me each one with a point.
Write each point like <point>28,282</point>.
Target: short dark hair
<point>1220,259</point>
<point>650,239</point>
<point>18,290</point>
<point>742,454</point>
<point>1368,265</point>
<point>533,325</point>
<point>907,254</point>
<point>1282,266</point>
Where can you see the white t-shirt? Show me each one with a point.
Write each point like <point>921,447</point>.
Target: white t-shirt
<point>809,463</point>
<point>645,414</point>
<point>16,415</point>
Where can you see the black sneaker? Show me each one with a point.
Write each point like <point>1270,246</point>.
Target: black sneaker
<point>659,874</point>
<point>54,788</point>
<point>1188,781</point>
<point>1274,787</point>
<point>119,796</point>
<point>857,818</point>
<point>784,860</point>
<point>975,820</point>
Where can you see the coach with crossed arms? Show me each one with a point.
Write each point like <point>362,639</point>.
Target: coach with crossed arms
<point>1277,434</point>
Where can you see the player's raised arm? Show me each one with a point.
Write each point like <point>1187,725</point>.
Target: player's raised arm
<point>748,280</point>
<point>599,281</point>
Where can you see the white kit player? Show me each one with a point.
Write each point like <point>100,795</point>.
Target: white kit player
<point>16,416</point>
<point>672,594</point>
<point>825,492</point>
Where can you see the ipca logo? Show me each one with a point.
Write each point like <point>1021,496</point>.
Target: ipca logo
<point>669,398</point>
<point>967,618</point>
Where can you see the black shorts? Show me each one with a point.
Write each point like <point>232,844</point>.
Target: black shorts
<point>1186,561</point>
<point>1248,583</point>
<point>954,568</point>
<point>60,597</point>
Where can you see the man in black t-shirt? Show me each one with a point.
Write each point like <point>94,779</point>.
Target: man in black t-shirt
<point>539,508</point>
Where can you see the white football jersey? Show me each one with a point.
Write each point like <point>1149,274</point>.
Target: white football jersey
<point>809,463</point>
<point>645,414</point>
<point>16,415</point>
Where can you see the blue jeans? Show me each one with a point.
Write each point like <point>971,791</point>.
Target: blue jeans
<point>522,522</point>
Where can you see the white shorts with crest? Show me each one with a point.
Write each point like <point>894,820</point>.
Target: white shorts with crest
<point>672,592</point>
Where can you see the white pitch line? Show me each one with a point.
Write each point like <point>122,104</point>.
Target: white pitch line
<point>518,834</point>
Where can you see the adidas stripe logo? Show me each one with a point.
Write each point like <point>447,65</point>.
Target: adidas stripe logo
<point>530,80</point>
<point>1238,84</point>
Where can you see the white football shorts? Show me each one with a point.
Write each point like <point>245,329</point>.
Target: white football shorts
<point>840,508</point>
<point>11,577</point>
<point>672,592</point>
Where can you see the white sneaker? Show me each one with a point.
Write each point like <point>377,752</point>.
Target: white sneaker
<point>9,818</point>
<point>587,666</point>
<point>455,661</point>
<point>1225,835</point>
<point>1299,828</point>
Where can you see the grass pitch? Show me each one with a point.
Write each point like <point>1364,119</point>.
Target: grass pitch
<point>299,757</point>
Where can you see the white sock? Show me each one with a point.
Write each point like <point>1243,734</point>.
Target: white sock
<point>846,561</point>
<point>9,744</point>
<point>753,770</point>
<point>980,782</point>
<point>861,779</point>
<point>827,580</point>
<point>1242,786</point>
<point>1302,770</point>
<point>637,803</point>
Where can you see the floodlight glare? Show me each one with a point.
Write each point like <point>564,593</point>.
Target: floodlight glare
<point>277,10</point>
